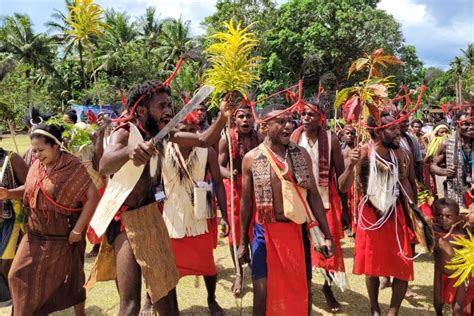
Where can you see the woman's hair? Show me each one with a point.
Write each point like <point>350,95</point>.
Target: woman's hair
<point>145,88</point>
<point>55,130</point>
<point>33,116</point>
<point>72,114</point>
<point>415,121</point>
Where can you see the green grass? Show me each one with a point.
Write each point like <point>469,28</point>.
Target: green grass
<point>103,299</point>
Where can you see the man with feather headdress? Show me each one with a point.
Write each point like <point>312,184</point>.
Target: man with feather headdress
<point>328,164</point>
<point>275,174</point>
<point>243,138</point>
<point>191,222</point>
<point>137,238</point>
<point>383,237</point>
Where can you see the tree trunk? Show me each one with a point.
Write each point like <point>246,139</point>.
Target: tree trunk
<point>81,61</point>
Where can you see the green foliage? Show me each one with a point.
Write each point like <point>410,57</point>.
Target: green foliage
<point>90,53</point>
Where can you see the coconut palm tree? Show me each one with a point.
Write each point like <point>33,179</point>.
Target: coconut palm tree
<point>469,55</point>
<point>175,41</point>
<point>119,33</point>
<point>457,70</point>
<point>85,25</point>
<point>150,29</point>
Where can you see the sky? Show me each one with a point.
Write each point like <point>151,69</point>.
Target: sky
<point>438,29</point>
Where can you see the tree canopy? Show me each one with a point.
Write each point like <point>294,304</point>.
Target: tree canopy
<point>90,53</point>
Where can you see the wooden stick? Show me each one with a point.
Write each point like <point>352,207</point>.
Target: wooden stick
<point>4,168</point>
<point>13,133</point>
<point>232,206</point>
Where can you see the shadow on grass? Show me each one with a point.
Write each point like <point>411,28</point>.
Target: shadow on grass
<point>353,303</point>
<point>200,310</point>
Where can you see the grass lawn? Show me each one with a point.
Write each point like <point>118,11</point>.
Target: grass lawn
<point>103,299</point>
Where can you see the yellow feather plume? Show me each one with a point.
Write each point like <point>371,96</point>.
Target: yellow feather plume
<point>462,262</point>
<point>233,66</point>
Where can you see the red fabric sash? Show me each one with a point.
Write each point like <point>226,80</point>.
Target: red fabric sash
<point>323,153</point>
<point>194,255</point>
<point>287,288</point>
<point>448,292</point>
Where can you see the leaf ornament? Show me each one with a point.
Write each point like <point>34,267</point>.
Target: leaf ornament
<point>462,262</point>
<point>233,67</point>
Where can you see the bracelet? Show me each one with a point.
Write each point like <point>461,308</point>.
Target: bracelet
<point>74,232</point>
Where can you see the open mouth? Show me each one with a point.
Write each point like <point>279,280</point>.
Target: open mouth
<point>285,134</point>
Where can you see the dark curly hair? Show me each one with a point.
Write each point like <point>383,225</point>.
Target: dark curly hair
<point>55,130</point>
<point>149,88</point>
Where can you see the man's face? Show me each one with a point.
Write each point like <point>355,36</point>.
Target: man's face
<point>186,128</point>
<point>279,128</point>
<point>417,128</point>
<point>201,113</point>
<point>310,119</point>
<point>244,120</point>
<point>466,126</point>
<point>389,136</point>
<point>404,126</point>
<point>158,113</point>
<point>349,135</point>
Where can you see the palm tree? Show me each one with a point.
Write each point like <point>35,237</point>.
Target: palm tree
<point>469,55</point>
<point>150,29</point>
<point>85,25</point>
<point>119,33</point>
<point>457,70</point>
<point>175,41</point>
<point>59,30</point>
<point>20,45</point>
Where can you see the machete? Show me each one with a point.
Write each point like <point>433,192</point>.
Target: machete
<point>197,99</point>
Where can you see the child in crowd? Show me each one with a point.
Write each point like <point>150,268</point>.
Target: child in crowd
<point>447,224</point>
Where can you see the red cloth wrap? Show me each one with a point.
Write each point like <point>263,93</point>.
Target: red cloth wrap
<point>237,195</point>
<point>194,255</point>
<point>91,235</point>
<point>333,215</point>
<point>287,288</point>
<point>352,202</point>
<point>468,199</point>
<point>426,209</point>
<point>448,292</point>
<point>376,252</point>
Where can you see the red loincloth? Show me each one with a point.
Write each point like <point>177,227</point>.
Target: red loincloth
<point>468,199</point>
<point>448,292</point>
<point>376,252</point>
<point>333,215</point>
<point>237,195</point>
<point>194,255</point>
<point>91,235</point>
<point>287,288</point>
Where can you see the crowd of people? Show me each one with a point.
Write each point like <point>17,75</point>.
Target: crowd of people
<point>296,188</point>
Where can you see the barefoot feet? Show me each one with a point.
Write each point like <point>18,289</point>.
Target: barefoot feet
<point>331,302</point>
<point>215,309</point>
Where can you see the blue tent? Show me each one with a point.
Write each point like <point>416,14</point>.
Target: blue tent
<point>113,110</point>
